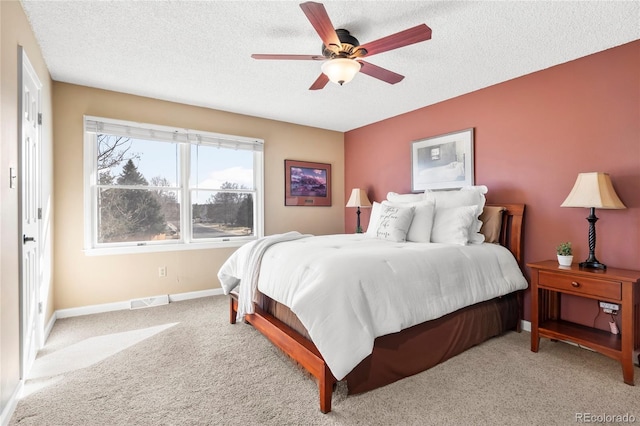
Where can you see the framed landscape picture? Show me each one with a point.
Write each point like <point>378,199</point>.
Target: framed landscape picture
<point>442,162</point>
<point>307,184</point>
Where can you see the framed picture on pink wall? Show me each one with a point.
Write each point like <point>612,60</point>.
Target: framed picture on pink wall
<point>442,162</point>
<point>306,183</point>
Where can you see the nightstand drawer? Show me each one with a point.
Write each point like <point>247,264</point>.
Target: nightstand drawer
<point>583,285</point>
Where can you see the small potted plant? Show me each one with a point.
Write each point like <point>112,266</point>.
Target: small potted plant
<point>565,254</point>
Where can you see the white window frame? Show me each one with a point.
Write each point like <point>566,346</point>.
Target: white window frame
<point>185,138</point>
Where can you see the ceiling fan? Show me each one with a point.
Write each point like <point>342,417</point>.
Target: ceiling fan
<point>342,53</point>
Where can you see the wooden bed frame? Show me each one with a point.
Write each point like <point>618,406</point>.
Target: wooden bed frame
<point>305,353</point>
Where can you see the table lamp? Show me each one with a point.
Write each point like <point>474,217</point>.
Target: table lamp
<point>358,199</point>
<point>593,191</point>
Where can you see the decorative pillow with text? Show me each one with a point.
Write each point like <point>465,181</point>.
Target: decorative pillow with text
<point>422,222</point>
<point>394,223</point>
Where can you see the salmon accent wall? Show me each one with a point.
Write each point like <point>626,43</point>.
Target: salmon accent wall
<point>533,135</point>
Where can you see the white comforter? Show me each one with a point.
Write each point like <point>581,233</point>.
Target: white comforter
<point>349,289</point>
<point>244,267</point>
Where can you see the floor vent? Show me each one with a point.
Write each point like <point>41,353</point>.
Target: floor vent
<point>148,302</point>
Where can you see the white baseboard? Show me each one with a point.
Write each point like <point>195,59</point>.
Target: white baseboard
<point>49,327</point>
<point>125,305</point>
<point>91,309</point>
<point>10,407</point>
<point>179,297</point>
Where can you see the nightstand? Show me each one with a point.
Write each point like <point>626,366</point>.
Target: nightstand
<point>549,282</point>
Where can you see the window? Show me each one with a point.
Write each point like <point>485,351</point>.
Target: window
<point>152,188</point>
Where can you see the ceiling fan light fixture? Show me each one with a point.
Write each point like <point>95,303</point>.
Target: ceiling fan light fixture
<point>341,70</point>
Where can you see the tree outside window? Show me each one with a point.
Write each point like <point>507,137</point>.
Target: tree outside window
<point>142,197</point>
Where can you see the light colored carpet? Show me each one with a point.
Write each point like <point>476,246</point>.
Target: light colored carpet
<point>184,364</point>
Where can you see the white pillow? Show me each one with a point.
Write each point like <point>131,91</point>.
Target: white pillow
<point>465,196</point>
<point>373,220</point>
<point>405,198</point>
<point>395,198</point>
<point>451,225</point>
<point>394,223</point>
<point>420,228</point>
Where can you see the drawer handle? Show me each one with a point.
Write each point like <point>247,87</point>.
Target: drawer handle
<point>575,284</point>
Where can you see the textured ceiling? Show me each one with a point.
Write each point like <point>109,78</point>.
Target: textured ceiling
<point>199,52</point>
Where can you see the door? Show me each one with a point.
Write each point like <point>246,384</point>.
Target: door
<point>30,278</point>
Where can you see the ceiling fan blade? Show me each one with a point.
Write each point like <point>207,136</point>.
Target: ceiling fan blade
<point>290,57</point>
<point>320,82</point>
<point>317,15</point>
<point>403,38</point>
<point>380,73</point>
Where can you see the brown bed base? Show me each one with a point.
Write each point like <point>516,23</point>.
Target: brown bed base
<point>465,328</point>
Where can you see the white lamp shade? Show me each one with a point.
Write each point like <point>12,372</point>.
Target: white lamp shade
<point>358,198</point>
<point>340,70</point>
<point>593,190</point>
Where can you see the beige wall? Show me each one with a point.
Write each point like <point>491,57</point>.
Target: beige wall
<point>82,280</point>
<point>15,31</point>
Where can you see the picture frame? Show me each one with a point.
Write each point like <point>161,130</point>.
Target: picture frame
<point>307,183</point>
<point>443,161</point>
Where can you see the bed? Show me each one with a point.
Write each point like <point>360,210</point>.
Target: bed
<point>401,344</point>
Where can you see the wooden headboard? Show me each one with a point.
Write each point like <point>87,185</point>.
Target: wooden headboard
<point>512,229</point>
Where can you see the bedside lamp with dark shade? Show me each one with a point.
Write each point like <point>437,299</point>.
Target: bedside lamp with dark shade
<point>593,191</point>
<point>358,199</point>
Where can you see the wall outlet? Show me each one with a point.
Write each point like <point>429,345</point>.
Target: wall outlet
<point>611,306</point>
<point>162,271</point>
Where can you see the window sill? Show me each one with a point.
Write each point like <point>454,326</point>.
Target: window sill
<point>105,251</point>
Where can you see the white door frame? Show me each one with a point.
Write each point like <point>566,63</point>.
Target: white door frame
<point>29,211</point>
